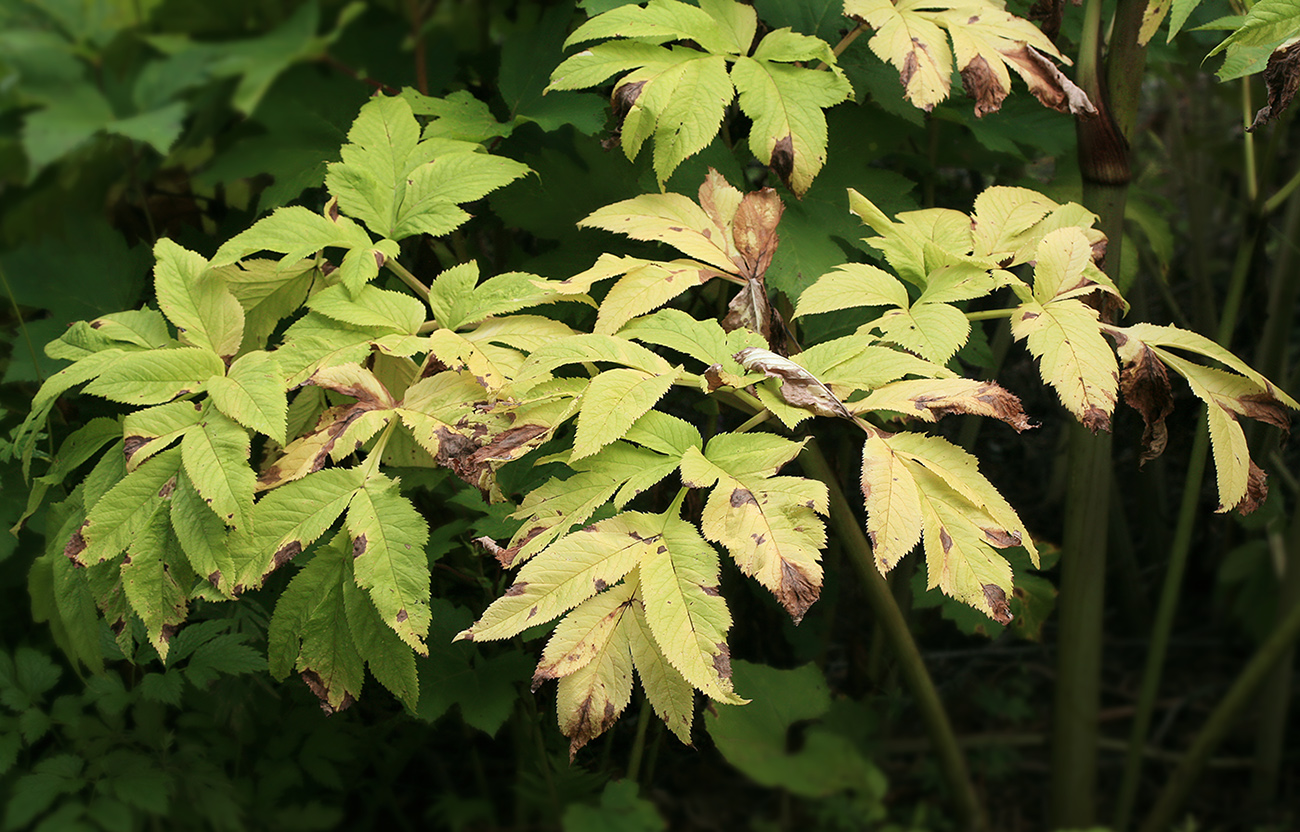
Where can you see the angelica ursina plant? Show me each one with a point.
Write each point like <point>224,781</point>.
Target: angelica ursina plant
<point>274,395</point>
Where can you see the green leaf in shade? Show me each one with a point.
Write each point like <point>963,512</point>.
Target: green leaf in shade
<point>79,447</point>
<point>621,808</point>
<point>753,738</point>
<point>115,520</point>
<point>56,385</point>
<point>389,658</point>
<point>388,537</point>
<point>309,632</point>
<point>156,578</point>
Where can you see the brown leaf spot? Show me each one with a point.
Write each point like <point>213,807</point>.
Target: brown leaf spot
<point>517,589</point>
<point>77,543</point>
<point>286,553</point>
<point>997,601</point>
<point>168,488</point>
<point>380,259</point>
<point>797,591</point>
<point>358,546</point>
<point>623,98</point>
<point>600,585</point>
<point>166,632</point>
<point>1266,408</point>
<point>332,209</point>
<point>741,496</point>
<point>722,660</point>
<point>754,231</point>
<point>318,687</point>
<point>132,444</point>
<point>1047,83</point>
<point>945,540</point>
<point>982,85</point>
<point>402,616</point>
<point>1281,77</point>
<point>783,158</point>
<point>711,591</point>
<point>215,578</point>
<point>1002,538</point>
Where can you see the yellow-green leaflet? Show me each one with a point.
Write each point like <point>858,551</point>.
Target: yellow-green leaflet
<point>388,537</point>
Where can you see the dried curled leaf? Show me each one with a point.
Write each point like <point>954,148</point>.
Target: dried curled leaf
<point>1282,78</point>
<point>798,386</point>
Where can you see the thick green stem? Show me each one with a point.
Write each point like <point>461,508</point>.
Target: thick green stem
<point>1104,163</point>
<point>1079,611</point>
<point>891,621</point>
<point>1221,720</point>
<point>409,279</point>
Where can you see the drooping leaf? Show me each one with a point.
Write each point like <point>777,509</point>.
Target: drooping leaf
<point>115,519</point>
<point>592,693</point>
<point>960,471</point>
<point>201,535</point>
<point>671,696</point>
<point>931,399</point>
<point>685,613</point>
<point>568,572</point>
<point>798,387</point>
<point>389,658</point>
<point>216,460</point>
<point>892,501</point>
<point>309,632</point>
<point>156,578</point>
<point>769,524</point>
<point>986,43</point>
<point>959,554</point>
<point>388,558</point>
